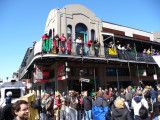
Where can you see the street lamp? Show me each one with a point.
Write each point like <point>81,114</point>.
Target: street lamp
<point>81,74</point>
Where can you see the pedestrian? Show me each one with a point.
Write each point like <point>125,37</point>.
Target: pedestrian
<point>7,110</point>
<point>49,107</point>
<point>137,103</point>
<point>153,95</point>
<point>129,95</point>
<point>87,105</point>
<point>57,105</point>
<point>43,113</point>
<point>120,112</point>
<point>100,107</point>
<point>156,106</point>
<point>20,110</point>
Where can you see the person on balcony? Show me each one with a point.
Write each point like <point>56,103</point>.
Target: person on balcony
<point>78,45</point>
<point>69,45</point>
<point>88,45</point>
<point>96,47</point>
<point>149,51</point>
<point>45,38</point>
<point>128,47</point>
<point>56,43</point>
<point>111,45</point>
<point>63,41</point>
<point>119,47</point>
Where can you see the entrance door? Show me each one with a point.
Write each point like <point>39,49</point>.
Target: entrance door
<point>83,36</point>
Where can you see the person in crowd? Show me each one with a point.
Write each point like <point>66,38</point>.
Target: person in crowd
<point>88,45</point>
<point>96,47</point>
<point>49,107</point>
<point>137,102</point>
<point>120,111</point>
<point>7,110</point>
<point>57,105</point>
<point>37,105</point>
<point>129,95</point>
<point>153,95</point>
<point>122,93</point>
<point>45,42</point>
<point>116,92</point>
<point>56,43</point>
<point>73,103</point>
<point>100,107</point>
<point>63,41</point>
<point>110,91</point>
<point>20,110</point>
<point>43,102</point>
<point>156,108</point>
<point>65,111</point>
<point>87,105</point>
<point>158,89</point>
<point>69,45</point>
<point>78,45</point>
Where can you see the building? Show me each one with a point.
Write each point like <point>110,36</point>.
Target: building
<point>49,72</point>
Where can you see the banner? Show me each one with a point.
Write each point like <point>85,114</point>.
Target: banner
<point>40,74</point>
<point>112,51</point>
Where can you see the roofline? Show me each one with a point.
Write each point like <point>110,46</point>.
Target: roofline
<point>126,27</point>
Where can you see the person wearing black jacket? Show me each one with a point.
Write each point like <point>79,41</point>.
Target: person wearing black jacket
<point>87,105</point>
<point>7,110</point>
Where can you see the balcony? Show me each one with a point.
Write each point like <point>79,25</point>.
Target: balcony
<point>103,52</point>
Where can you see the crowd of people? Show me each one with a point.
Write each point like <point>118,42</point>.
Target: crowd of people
<point>64,45</point>
<point>133,103</point>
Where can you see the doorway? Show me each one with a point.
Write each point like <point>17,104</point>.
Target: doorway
<point>81,31</point>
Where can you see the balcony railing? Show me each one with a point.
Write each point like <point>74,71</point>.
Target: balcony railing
<point>102,52</point>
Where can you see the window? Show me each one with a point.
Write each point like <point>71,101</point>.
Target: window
<point>121,72</point>
<point>69,31</point>
<point>16,93</point>
<point>92,35</point>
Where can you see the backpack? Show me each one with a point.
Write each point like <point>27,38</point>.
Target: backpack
<point>143,112</point>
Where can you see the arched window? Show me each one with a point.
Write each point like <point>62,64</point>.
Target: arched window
<point>92,35</point>
<point>69,31</point>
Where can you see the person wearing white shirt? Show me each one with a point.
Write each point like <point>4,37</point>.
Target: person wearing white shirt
<point>78,45</point>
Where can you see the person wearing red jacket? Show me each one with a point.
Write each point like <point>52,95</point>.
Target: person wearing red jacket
<point>63,41</point>
<point>88,45</point>
<point>69,45</point>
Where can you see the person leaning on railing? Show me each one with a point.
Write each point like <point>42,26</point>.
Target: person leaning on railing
<point>96,47</point>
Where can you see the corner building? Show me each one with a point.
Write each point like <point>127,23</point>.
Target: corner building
<point>112,67</point>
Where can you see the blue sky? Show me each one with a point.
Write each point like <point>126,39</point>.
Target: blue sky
<point>23,21</point>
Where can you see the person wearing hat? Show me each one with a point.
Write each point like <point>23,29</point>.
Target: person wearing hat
<point>7,109</point>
